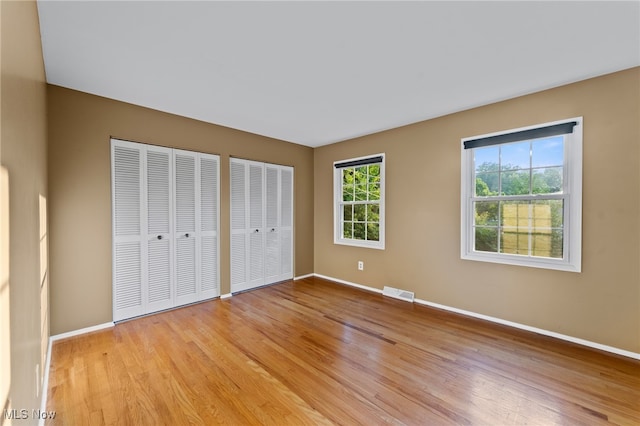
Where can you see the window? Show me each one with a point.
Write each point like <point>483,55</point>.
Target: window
<point>359,202</point>
<point>522,196</point>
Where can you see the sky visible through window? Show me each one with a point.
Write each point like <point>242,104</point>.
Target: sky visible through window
<point>545,152</point>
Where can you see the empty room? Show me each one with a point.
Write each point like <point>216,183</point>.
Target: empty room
<point>300,212</point>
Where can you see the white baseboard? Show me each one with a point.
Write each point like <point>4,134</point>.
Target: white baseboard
<point>225,296</point>
<point>360,286</point>
<point>301,277</point>
<point>560,336</point>
<point>81,331</point>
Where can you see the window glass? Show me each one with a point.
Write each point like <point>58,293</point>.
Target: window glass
<point>359,207</point>
<point>521,205</point>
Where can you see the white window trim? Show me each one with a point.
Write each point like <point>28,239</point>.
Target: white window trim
<point>572,249</point>
<point>337,211</point>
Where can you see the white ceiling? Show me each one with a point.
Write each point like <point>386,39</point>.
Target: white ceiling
<point>315,73</point>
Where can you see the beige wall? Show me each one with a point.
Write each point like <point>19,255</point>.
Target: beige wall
<point>601,304</point>
<point>80,127</point>
<point>24,161</point>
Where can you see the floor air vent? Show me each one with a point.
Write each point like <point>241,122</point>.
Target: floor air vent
<point>396,293</point>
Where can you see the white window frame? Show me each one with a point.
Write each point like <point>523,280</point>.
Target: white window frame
<point>339,211</point>
<point>572,195</point>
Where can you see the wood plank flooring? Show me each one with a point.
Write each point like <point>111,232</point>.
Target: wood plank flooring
<point>312,352</point>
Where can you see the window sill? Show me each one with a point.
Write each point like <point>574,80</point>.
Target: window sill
<point>364,244</point>
<point>516,260</point>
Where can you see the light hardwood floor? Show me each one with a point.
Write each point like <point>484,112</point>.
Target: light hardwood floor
<point>315,352</point>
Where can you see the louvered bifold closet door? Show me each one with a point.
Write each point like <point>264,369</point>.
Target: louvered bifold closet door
<point>272,236</point>
<point>238,225</point>
<point>159,233</point>
<point>286,223</point>
<point>209,224</point>
<point>256,224</point>
<point>261,224</point>
<point>127,228</point>
<point>186,200</point>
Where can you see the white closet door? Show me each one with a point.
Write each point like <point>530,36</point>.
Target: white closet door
<point>159,238</point>
<point>209,224</point>
<point>286,223</point>
<point>272,237</point>
<point>126,171</point>
<point>261,224</point>
<point>238,225</point>
<point>256,224</point>
<point>185,227</point>
<point>165,211</point>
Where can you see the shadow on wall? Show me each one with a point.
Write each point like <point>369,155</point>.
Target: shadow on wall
<point>5,329</point>
<point>44,286</point>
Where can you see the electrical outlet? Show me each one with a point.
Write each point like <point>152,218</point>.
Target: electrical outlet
<point>360,265</point>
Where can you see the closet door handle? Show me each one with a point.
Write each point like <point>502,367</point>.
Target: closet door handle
<point>159,237</point>
<point>256,231</point>
<point>186,235</point>
<point>273,229</point>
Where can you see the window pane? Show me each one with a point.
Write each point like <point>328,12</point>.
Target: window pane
<point>359,212</point>
<point>374,171</point>
<point>514,241</point>
<point>361,175</point>
<point>486,213</point>
<point>515,182</point>
<point>487,184</point>
<point>548,152</point>
<point>557,245</point>
<point>347,231</point>
<point>515,214</point>
<point>359,231</point>
<point>557,213</point>
<point>373,232</point>
<point>486,239</point>
<point>347,176</point>
<point>515,156</point>
<point>347,212</point>
<point>547,243</point>
<point>486,159</point>
<point>347,193</point>
<point>373,213</point>
<point>374,191</point>
<point>547,180</point>
<point>361,192</point>
<point>541,217</point>
<point>548,214</point>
